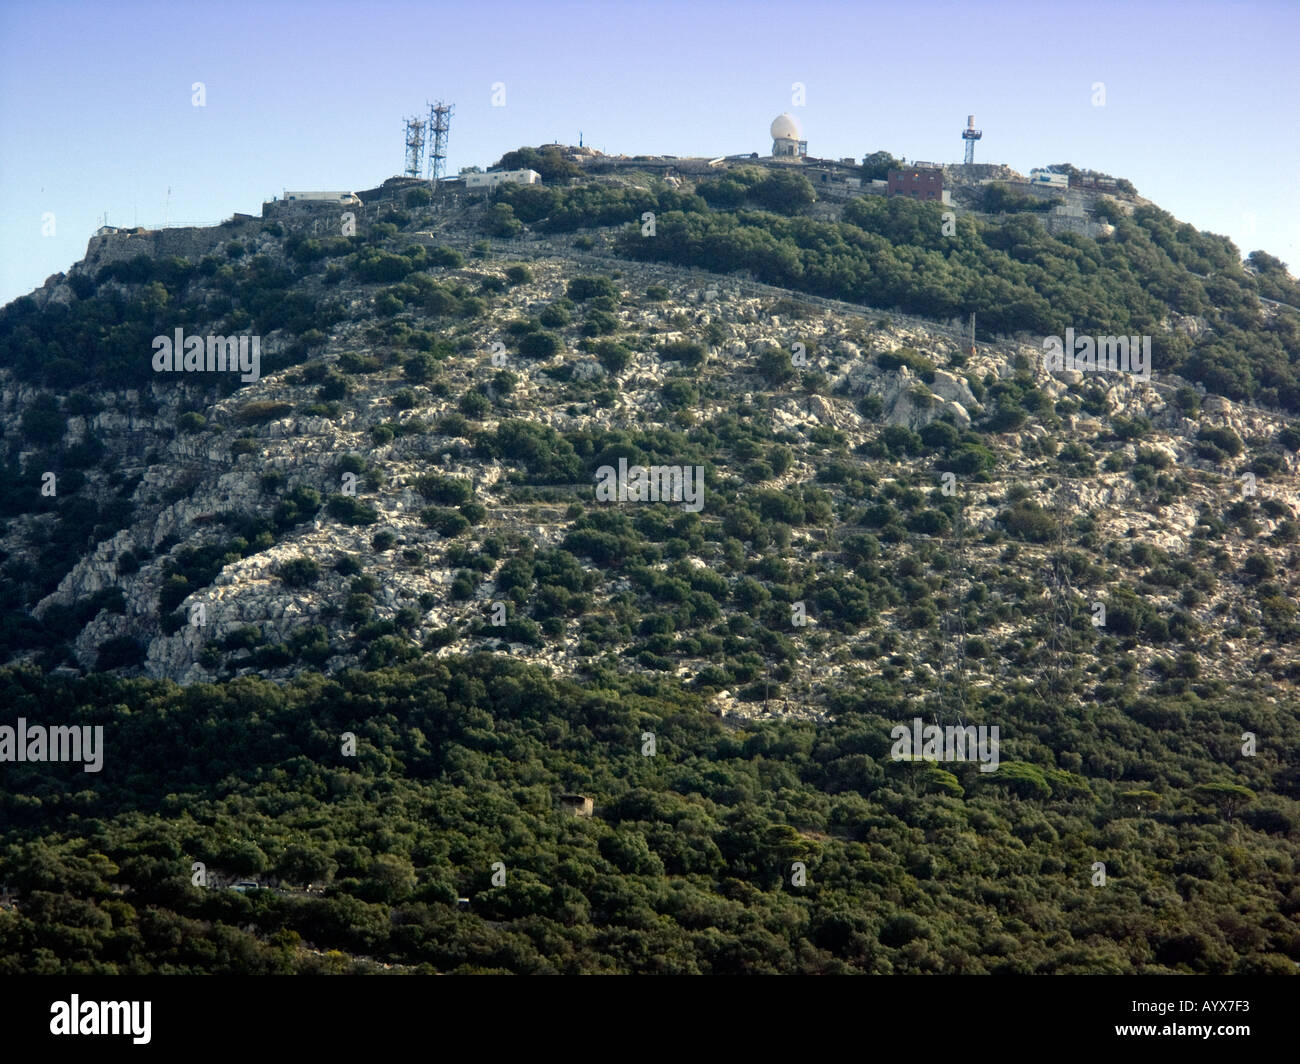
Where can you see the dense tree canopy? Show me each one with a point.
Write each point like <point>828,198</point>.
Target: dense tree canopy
<point>686,866</point>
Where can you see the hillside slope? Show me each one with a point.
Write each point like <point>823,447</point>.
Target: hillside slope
<point>890,526</point>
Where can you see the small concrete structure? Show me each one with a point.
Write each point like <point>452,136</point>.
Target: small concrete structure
<point>834,179</point>
<point>577,804</point>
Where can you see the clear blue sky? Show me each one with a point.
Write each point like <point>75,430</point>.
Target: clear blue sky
<point>1201,99</point>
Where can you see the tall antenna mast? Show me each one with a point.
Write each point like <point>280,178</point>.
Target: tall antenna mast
<point>439,125</point>
<point>970,135</point>
<point>414,147</point>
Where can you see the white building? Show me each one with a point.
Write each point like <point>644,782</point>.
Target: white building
<point>1050,178</point>
<point>502,177</point>
<point>327,197</point>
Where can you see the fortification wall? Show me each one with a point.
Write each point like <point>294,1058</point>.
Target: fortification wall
<point>189,242</point>
<point>194,242</point>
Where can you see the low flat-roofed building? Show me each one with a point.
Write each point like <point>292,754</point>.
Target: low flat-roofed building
<point>322,197</point>
<point>1049,178</point>
<point>502,177</point>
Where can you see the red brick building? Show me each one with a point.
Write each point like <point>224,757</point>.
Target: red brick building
<point>917,182</point>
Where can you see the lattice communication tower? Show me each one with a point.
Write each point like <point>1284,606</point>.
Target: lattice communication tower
<point>414,147</point>
<point>439,126</point>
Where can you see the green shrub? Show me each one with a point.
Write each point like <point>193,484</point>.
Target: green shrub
<point>906,356</point>
<point>299,572</point>
<point>120,652</point>
<point>351,362</point>
<point>261,411</point>
<point>474,404</point>
<point>548,457</point>
<point>454,425</point>
<point>42,423</point>
<point>350,510</point>
<point>336,386</point>
<point>580,289</point>
<point>1029,521</point>
<point>539,345</point>
<point>871,406</point>
<point>687,352</point>
<point>1186,400</point>
<point>775,367</point>
<point>420,368</point>
<point>500,221</point>
<point>374,266</point>
<point>1216,443</point>
<point>613,355</point>
<point>445,522</point>
<point>554,317</point>
<point>446,258</point>
<point>677,394</point>
<point>446,491</point>
<point>300,504</point>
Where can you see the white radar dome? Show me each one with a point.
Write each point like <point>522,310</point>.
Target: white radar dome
<point>785,128</point>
